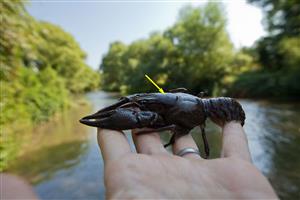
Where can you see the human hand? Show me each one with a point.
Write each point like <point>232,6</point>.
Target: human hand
<point>153,172</point>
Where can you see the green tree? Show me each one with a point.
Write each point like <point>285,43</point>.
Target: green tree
<point>152,57</point>
<point>282,20</point>
<point>281,17</point>
<point>278,54</point>
<point>193,53</point>
<point>41,67</point>
<point>12,35</point>
<point>112,67</point>
<point>204,46</point>
<point>58,49</point>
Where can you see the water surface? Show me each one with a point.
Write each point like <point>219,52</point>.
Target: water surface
<point>62,159</point>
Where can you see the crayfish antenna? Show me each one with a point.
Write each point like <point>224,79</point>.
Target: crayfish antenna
<point>122,101</point>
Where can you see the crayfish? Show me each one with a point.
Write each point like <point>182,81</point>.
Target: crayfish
<point>176,111</point>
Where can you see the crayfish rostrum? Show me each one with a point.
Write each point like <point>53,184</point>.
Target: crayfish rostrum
<point>176,110</point>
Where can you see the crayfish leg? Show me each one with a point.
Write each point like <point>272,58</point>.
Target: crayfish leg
<point>171,141</point>
<point>178,132</point>
<point>183,90</point>
<point>206,145</point>
<point>165,128</point>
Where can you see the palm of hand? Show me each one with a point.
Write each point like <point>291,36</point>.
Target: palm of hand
<point>153,172</point>
<point>169,176</point>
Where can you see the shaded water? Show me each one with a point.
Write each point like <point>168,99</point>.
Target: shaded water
<point>62,160</point>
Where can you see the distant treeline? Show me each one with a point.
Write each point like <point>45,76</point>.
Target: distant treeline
<point>196,53</point>
<point>278,54</point>
<point>41,67</point>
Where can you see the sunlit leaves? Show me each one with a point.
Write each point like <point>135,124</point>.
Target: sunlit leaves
<point>192,53</point>
<point>41,65</point>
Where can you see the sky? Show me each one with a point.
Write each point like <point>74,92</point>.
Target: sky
<point>96,24</point>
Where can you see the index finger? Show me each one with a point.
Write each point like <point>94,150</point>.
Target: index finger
<point>113,144</point>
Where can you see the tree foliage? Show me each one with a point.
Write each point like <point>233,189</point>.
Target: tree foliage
<point>193,53</point>
<point>278,53</point>
<point>282,20</point>
<point>281,17</point>
<point>41,66</point>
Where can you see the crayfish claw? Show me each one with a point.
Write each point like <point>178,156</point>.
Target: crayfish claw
<point>123,119</point>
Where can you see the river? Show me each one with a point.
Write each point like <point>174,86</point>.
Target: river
<point>62,159</point>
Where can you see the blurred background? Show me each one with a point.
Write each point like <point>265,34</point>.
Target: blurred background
<point>63,60</point>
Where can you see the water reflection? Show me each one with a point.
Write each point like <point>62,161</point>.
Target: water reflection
<point>61,158</point>
<point>40,165</point>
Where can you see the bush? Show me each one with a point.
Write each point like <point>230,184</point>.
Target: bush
<point>266,84</point>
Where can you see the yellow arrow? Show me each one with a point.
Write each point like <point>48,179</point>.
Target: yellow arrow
<point>159,89</point>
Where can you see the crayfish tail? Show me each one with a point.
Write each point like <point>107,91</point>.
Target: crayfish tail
<point>224,109</point>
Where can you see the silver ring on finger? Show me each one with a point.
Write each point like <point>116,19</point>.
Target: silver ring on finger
<point>187,150</point>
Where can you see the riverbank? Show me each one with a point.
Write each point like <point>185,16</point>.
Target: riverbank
<point>279,85</point>
<point>14,136</point>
